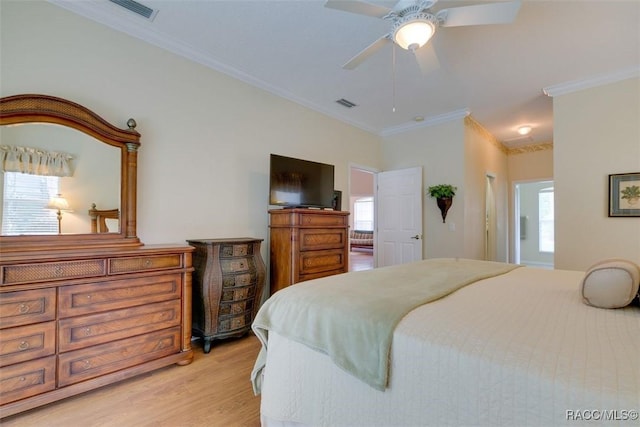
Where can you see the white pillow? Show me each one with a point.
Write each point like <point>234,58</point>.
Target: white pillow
<point>611,283</point>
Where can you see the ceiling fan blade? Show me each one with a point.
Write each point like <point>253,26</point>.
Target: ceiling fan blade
<point>427,59</point>
<point>367,52</point>
<point>359,7</point>
<point>480,14</point>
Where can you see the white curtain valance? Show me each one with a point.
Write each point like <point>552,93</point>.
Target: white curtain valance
<point>35,161</point>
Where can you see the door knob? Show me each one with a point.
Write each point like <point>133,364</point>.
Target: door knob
<point>417,237</point>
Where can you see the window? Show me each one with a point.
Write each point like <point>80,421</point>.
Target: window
<point>545,225</point>
<point>24,209</point>
<point>363,213</point>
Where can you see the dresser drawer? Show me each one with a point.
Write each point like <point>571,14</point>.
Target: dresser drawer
<point>312,262</point>
<point>235,308</point>
<point>321,220</point>
<point>81,365</point>
<point>29,273</point>
<point>233,323</point>
<point>236,280</point>
<point>331,238</point>
<point>27,343</point>
<point>237,265</point>
<point>27,379</point>
<point>144,263</point>
<point>80,332</point>
<point>114,294</point>
<point>27,307</point>
<point>237,294</point>
<point>236,250</point>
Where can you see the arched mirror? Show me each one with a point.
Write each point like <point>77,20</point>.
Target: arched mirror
<point>69,177</point>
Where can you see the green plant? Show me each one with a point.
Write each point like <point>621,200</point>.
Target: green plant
<point>631,192</point>
<point>442,191</point>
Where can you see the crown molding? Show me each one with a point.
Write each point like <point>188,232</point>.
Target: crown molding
<point>531,148</point>
<point>428,121</point>
<point>475,125</point>
<point>600,80</point>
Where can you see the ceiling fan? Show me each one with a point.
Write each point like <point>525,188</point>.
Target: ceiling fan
<point>413,24</point>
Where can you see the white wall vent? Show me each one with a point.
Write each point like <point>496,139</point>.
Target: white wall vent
<point>137,8</point>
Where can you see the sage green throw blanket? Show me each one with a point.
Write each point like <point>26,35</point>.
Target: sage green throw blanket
<point>351,317</point>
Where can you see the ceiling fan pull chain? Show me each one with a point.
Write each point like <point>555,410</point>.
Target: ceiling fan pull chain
<point>393,75</point>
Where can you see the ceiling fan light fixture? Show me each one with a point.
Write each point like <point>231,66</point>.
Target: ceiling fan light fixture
<point>524,130</point>
<point>414,31</point>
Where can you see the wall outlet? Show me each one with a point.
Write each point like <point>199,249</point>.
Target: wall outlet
<point>452,226</point>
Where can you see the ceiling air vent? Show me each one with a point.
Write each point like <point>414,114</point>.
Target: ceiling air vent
<point>137,8</point>
<point>345,103</point>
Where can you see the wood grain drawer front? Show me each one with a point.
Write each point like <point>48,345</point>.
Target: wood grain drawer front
<point>237,280</point>
<point>237,265</point>
<point>27,379</point>
<point>235,308</point>
<point>27,342</point>
<point>84,331</point>
<point>321,220</point>
<point>29,273</point>
<point>81,365</point>
<point>114,294</point>
<point>232,323</point>
<point>236,250</point>
<point>27,307</point>
<point>237,294</point>
<point>332,238</point>
<point>319,261</point>
<point>144,263</point>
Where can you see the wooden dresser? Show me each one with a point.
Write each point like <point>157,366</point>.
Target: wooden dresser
<point>71,321</point>
<point>228,282</point>
<point>307,244</point>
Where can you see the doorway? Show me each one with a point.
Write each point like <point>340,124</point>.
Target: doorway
<point>362,218</point>
<point>534,223</point>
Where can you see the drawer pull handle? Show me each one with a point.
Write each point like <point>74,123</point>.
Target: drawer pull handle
<point>87,331</point>
<point>89,296</point>
<point>58,271</point>
<point>23,308</point>
<point>23,345</point>
<point>23,378</point>
<point>148,263</point>
<point>87,364</point>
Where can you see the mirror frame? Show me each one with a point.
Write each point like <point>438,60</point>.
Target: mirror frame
<point>30,108</point>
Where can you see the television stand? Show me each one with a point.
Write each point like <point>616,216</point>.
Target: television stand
<point>307,244</point>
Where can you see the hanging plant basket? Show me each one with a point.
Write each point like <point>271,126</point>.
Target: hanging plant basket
<point>443,194</point>
<point>444,203</point>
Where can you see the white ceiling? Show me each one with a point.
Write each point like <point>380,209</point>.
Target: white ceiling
<point>497,73</point>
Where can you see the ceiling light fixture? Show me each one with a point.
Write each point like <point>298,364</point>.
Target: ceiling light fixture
<point>415,30</point>
<point>524,130</point>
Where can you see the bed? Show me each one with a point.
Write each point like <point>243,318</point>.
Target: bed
<point>517,348</point>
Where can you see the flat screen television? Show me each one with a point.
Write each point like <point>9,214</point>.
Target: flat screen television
<point>297,183</point>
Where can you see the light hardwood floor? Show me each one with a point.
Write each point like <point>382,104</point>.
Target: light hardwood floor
<point>214,390</point>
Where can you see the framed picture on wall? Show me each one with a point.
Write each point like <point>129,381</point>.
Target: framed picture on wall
<point>624,195</point>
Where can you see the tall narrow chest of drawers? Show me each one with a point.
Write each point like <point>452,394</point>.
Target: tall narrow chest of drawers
<point>307,244</point>
<point>72,321</point>
<point>228,283</point>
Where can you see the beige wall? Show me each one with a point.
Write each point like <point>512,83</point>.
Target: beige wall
<point>206,137</point>
<point>439,150</point>
<point>483,156</point>
<point>597,133</point>
<point>525,167</point>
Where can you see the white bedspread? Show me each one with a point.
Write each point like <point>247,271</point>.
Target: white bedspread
<point>520,349</point>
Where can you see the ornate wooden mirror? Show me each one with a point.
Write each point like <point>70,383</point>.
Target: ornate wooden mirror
<point>113,151</point>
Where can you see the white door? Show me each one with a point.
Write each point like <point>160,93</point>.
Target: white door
<point>398,216</point>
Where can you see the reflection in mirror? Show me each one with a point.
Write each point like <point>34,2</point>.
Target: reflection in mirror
<point>95,172</point>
